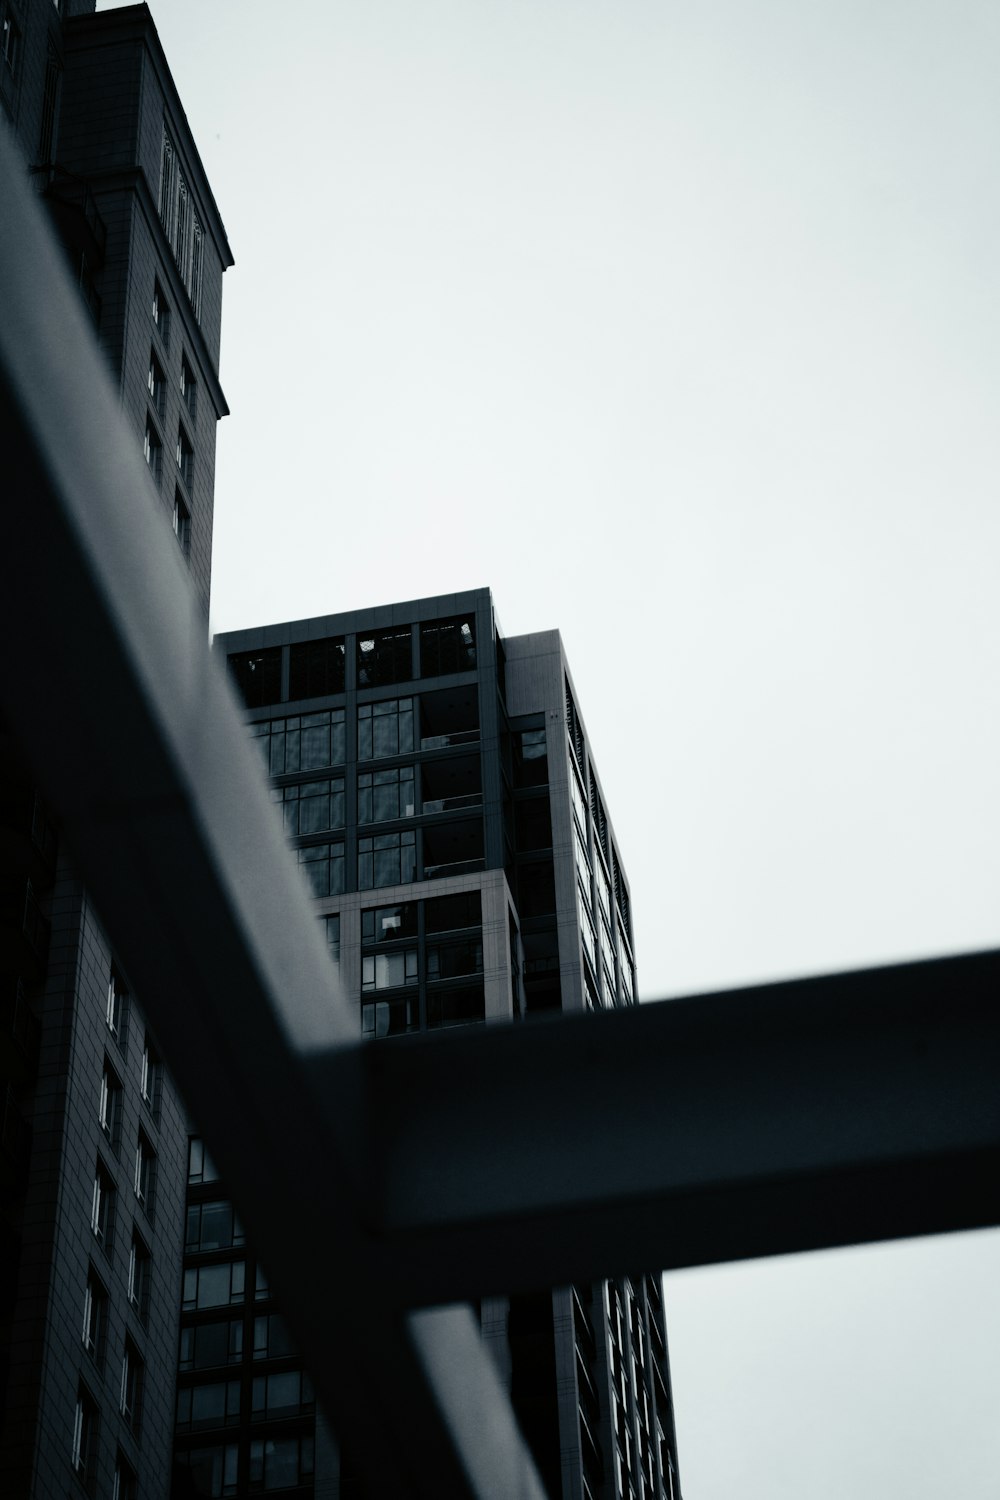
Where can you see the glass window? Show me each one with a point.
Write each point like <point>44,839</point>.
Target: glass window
<point>307,742</point>
<point>533,823</point>
<point>271,1337</point>
<point>607,961</point>
<point>156,382</point>
<point>161,314</point>
<point>84,1449</point>
<point>151,1078</point>
<point>181,222</point>
<point>261,1290</point>
<point>626,971</point>
<point>579,801</point>
<point>216,1405</point>
<point>189,387</point>
<point>279,1463</point>
<point>456,1006</point>
<point>124,1486</point>
<point>386,859</point>
<point>102,1209</point>
<point>600,819</point>
<point>385,656</point>
<point>587,928</point>
<point>448,646</point>
<point>531,760</point>
<point>449,960</point>
<point>385,728</point>
<point>145,1174</point>
<point>388,1018</point>
<point>283,1394</point>
<point>139,1277</point>
<point>582,862</point>
<point>385,794</point>
<point>574,727</point>
<point>311,806</point>
<point>212,1226</point>
<point>10,41</point>
<point>386,924</point>
<point>332,929</point>
<point>182,524</point>
<point>201,1168</point>
<point>116,1013</point>
<point>212,1471</point>
<point>95,1319</point>
<point>384,971</point>
<point>316,668</point>
<point>323,866</point>
<point>109,1107</point>
<point>130,1398</point>
<point>450,913</point>
<point>152,449</point>
<point>621,895</point>
<point>214,1286</point>
<point>257,674</point>
<point>536,889</point>
<point>603,890</point>
<point>211,1344</point>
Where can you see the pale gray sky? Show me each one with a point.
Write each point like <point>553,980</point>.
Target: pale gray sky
<point>677,325</point>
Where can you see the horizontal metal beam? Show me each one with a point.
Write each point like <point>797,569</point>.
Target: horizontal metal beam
<point>820,1112</point>
<point>137,743</point>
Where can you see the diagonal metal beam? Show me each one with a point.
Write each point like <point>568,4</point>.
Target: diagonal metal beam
<point>138,746</point>
<point>818,1113</point>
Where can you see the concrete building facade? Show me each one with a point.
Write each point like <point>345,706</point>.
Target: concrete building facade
<point>436,783</point>
<point>94,1138</point>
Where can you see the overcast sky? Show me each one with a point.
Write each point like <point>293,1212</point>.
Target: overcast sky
<point>677,325</point>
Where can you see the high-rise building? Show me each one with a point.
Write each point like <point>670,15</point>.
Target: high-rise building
<point>93,1152</point>
<point>437,785</point>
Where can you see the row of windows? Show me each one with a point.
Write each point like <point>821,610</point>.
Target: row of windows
<point>383,796</point>
<point>104,1194</point>
<point>86,1435</point>
<point>382,658</point>
<point>152,452</point>
<point>399,966</point>
<point>209,1345</point>
<point>95,1305</point>
<point>387,924</point>
<point>212,1226</point>
<point>284,1393</point>
<point>181,222</point>
<point>388,859</point>
<point>314,742</point>
<point>221,1285</point>
<point>272,1464</point>
<point>578,762</point>
<point>95,1323</point>
<point>156,381</point>
<point>460,1005</point>
<point>116,1017</point>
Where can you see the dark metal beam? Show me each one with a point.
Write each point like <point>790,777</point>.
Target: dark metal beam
<point>820,1112</point>
<point>138,745</point>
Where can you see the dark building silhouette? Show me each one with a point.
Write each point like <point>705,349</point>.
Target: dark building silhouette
<point>436,782</point>
<point>94,1141</point>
